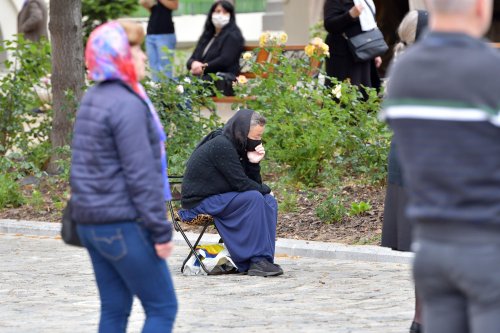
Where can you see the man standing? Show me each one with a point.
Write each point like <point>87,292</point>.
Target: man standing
<point>443,104</point>
<point>32,20</point>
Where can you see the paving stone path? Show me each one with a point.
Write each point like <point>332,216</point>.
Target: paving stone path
<point>46,286</point>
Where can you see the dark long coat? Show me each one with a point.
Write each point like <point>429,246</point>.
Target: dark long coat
<point>341,64</point>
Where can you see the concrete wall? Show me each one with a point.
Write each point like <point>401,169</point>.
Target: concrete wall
<point>294,17</point>
<point>188,28</point>
<point>8,17</point>
<point>8,22</point>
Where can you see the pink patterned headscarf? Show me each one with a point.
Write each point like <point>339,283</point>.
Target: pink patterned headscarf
<point>108,57</point>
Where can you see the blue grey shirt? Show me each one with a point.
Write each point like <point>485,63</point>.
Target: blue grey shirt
<point>443,104</point>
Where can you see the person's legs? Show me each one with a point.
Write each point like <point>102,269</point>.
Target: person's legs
<point>160,51</point>
<point>244,226</point>
<point>142,271</point>
<point>273,220</point>
<point>165,46</point>
<point>246,222</point>
<point>416,325</point>
<point>153,56</point>
<point>479,278</point>
<point>116,298</point>
<point>444,305</point>
<point>148,277</point>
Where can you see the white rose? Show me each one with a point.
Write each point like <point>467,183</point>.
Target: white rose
<point>337,91</point>
<point>247,56</point>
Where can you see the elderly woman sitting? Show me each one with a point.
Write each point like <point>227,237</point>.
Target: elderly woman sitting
<point>223,179</point>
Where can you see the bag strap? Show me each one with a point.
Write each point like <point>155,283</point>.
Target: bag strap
<point>370,7</point>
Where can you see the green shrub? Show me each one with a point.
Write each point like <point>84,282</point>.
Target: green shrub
<point>36,200</point>
<point>27,71</point>
<point>187,113</point>
<point>332,209</point>
<point>10,192</point>
<point>318,30</point>
<point>315,132</point>
<point>358,208</point>
<point>96,12</point>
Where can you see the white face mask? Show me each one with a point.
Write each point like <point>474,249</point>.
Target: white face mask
<point>220,20</point>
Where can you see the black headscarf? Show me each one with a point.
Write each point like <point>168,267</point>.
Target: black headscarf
<point>237,128</point>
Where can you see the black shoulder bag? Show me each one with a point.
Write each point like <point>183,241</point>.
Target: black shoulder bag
<point>368,44</point>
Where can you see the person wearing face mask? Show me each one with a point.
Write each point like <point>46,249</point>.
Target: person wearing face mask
<point>223,179</point>
<point>219,48</point>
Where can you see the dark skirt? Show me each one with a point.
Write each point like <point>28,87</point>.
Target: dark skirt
<point>396,229</point>
<point>344,67</point>
<point>246,222</point>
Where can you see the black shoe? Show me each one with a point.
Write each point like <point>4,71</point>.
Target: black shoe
<point>415,327</point>
<point>264,268</point>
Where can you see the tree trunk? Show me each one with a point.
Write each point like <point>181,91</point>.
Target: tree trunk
<point>67,72</point>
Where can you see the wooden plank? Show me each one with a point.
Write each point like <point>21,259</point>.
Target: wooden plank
<point>232,99</point>
<point>285,48</point>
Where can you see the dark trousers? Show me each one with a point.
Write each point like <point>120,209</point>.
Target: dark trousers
<point>459,280</point>
<point>125,264</point>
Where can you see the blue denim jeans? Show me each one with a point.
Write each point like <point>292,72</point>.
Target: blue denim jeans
<point>158,56</point>
<point>125,264</point>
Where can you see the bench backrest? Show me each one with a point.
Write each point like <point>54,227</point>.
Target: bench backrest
<point>263,56</point>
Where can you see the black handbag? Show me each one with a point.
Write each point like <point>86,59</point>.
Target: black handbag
<point>368,44</point>
<point>225,83</point>
<point>69,233</point>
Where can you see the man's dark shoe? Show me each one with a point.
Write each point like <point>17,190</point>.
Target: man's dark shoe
<point>264,268</point>
<point>415,327</point>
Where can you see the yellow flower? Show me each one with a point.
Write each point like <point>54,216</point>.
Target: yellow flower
<point>309,49</point>
<point>325,48</point>
<point>283,37</point>
<point>242,79</point>
<point>264,38</point>
<point>45,107</point>
<point>247,56</point>
<point>316,41</point>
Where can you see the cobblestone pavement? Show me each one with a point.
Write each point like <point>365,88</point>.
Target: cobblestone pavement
<point>46,286</point>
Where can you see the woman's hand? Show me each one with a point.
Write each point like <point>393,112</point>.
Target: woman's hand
<point>197,68</point>
<point>164,250</point>
<point>356,10</point>
<point>378,62</point>
<point>257,155</point>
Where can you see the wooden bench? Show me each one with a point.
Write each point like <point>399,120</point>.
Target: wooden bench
<point>263,57</point>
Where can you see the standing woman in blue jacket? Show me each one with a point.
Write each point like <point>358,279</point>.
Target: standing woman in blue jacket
<point>119,183</point>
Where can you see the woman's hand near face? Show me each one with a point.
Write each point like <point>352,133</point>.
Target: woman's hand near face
<point>164,250</point>
<point>197,68</point>
<point>257,155</point>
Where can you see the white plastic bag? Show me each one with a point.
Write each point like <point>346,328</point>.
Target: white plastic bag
<point>222,262</point>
